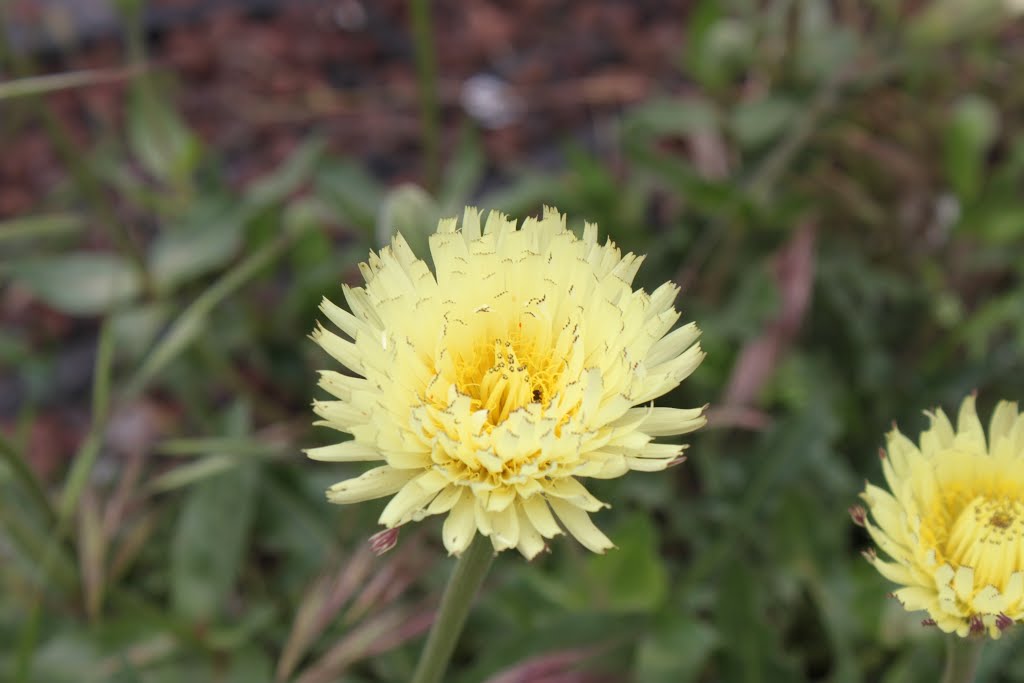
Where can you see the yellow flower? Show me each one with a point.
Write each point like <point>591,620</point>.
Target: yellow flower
<point>489,387</point>
<point>954,522</point>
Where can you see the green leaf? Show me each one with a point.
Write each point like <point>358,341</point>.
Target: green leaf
<point>409,210</point>
<point>997,221</point>
<point>759,122</point>
<point>351,192</point>
<point>193,472</point>
<point>633,577</point>
<point>66,658</point>
<point>44,225</point>
<point>462,174</point>
<point>230,445</point>
<point>946,21</point>
<point>972,128</point>
<point>672,116</point>
<point>210,540</point>
<point>136,327</point>
<point>824,51</point>
<point>80,283</point>
<point>675,653</point>
<point>208,242</point>
<point>164,146</point>
<point>717,46</point>
<point>287,177</point>
<point>525,194</point>
<point>249,665</point>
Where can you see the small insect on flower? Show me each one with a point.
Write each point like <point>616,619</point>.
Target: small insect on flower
<point>488,388</point>
<point>953,524</point>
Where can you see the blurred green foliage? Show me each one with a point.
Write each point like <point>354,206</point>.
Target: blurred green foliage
<point>839,193</point>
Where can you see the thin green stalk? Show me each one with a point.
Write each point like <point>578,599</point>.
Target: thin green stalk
<point>189,325</point>
<point>75,484</point>
<point>962,657</point>
<point>458,597</point>
<point>426,77</point>
<point>85,459</point>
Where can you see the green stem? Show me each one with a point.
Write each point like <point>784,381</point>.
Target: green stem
<point>77,480</point>
<point>426,76</point>
<point>962,657</point>
<point>89,451</point>
<point>466,578</point>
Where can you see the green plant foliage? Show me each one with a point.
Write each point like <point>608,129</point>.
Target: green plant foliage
<point>82,283</point>
<point>837,189</point>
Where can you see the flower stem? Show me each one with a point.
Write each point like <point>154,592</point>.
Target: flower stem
<point>962,656</point>
<point>458,597</point>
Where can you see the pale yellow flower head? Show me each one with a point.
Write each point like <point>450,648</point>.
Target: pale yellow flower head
<point>953,524</point>
<point>488,388</point>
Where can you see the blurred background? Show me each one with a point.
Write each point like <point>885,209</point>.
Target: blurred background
<point>836,186</point>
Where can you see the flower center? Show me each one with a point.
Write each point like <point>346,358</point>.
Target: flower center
<point>506,384</point>
<point>505,374</point>
<point>988,536</point>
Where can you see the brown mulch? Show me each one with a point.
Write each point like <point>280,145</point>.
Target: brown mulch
<point>253,83</point>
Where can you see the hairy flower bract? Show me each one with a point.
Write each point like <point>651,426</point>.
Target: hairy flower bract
<point>489,387</point>
<point>952,521</point>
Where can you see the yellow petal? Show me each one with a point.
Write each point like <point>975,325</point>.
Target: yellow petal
<point>1001,426</point>
<point>530,540</point>
<point>915,598</point>
<point>504,529</point>
<point>572,492</point>
<point>673,344</point>
<point>669,421</point>
<point>411,499</point>
<point>460,525</point>
<point>969,434</point>
<point>539,514</point>
<point>380,481</point>
<point>963,583</point>
<point>347,451</point>
<point>577,522</point>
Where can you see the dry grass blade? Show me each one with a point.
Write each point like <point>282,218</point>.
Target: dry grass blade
<point>383,632</point>
<point>367,584</point>
<point>131,544</point>
<point>322,602</point>
<point>387,585</point>
<point>92,553</point>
